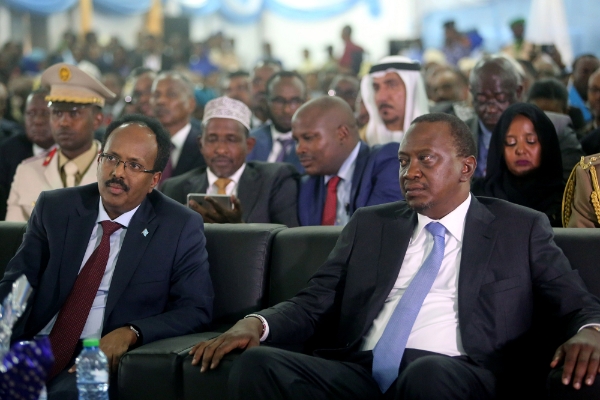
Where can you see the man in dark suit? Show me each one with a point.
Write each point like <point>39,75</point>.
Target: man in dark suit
<point>36,140</point>
<point>173,103</point>
<point>286,91</point>
<point>336,161</point>
<point>104,263</point>
<point>431,298</point>
<point>261,192</point>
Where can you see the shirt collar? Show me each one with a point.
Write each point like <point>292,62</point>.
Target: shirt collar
<point>453,222</point>
<point>84,160</point>
<point>212,178</point>
<point>123,219</point>
<point>346,170</point>
<point>178,139</point>
<point>484,130</point>
<point>280,135</point>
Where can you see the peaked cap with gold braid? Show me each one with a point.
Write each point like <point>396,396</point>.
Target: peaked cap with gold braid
<point>70,84</point>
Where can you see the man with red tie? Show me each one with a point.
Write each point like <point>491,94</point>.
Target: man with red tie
<point>343,173</point>
<point>103,261</point>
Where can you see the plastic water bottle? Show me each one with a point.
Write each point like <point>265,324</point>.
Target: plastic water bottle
<point>92,372</point>
<point>43,394</point>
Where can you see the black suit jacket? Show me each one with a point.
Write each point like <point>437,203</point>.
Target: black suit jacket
<point>160,284</point>
<point>510,270</point>
<point>190,156</point>
<point>267,191</point>
<point>12,152</point>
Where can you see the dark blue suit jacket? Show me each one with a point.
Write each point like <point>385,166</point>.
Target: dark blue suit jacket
<point>190,156</point>
<point>264,144</point>
<point>160,284</point>
<point>375,181</point>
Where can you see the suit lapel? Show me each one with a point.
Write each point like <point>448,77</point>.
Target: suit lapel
<point>359,168</point>
<point>197,183</point>
<point>133,247</point>
<point>478,242</point>
<point>187,154</point>
<point>78,231</point>
<point>395,237</point>
<point>249,190</point>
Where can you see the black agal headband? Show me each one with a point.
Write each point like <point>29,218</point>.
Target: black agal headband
<point>395,65</point>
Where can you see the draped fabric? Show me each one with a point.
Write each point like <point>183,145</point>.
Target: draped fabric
<point>236,11</point>
<point>121,7</point>
<point>41,7</point>
<point>248,11</point>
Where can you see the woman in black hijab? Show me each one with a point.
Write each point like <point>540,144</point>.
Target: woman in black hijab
<point>524,162</point>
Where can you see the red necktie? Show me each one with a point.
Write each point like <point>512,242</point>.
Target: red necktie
<point>74,313</point>
<point>330,209</point>
<point>168,171</point>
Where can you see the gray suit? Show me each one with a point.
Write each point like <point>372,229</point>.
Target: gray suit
<point>268,191</point>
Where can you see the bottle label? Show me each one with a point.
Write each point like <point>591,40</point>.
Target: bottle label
<point>100,375</point>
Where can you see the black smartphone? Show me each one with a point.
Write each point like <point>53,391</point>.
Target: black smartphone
<point>200,198</point>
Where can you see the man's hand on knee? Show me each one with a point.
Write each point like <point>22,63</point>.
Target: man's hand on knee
<point>581,355</point>
<point>243,335</point>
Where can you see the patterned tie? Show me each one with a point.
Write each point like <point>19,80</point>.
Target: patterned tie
<point>71,170</point>
<point>330,208</point>
<point>286,145</point>
<point>221,185</point>
<point>388,351</point>
<point>74,313</point>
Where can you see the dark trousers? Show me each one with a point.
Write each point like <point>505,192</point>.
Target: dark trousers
<point>64,385</point>
<point>269,373</point>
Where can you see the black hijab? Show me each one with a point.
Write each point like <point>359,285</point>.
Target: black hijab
<point>541,189</point>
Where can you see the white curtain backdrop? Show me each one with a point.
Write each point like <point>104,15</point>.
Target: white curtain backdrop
<point>547,24</point>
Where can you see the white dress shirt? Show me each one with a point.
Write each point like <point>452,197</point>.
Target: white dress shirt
<point>231,188</point>
<point>436,326</point>
<point>37,150</point>
<point>344,187</point>
<point>93,325</point>
<point>178,140</point>
<point>276,149</point>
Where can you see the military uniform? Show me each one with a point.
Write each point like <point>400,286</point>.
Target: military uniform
<point>581,201</point>
<point>33,176</point>
<point>70,88</point>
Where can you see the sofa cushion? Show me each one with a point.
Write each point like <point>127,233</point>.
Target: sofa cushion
<point>297,254</point>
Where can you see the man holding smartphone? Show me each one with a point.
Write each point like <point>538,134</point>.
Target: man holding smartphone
<point>260,192</point>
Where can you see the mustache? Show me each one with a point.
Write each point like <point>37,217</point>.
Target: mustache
<point>62,131</point>
<point>116,181</point>
<point>384,105</point>
<point>215,159</point>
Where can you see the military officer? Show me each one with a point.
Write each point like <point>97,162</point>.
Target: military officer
<point>75,101</point>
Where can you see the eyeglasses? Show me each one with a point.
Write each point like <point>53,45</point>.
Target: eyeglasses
<point>114,161</point>
<point>280,102</point>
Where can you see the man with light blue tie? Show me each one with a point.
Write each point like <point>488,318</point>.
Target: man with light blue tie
<point>431,298</point>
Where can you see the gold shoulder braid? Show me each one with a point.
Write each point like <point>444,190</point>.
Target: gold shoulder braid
<point>595,197</point>
<point>570,189</point>
<point>568,196</point>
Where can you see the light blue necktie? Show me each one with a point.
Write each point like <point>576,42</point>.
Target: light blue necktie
<point>388,351</point>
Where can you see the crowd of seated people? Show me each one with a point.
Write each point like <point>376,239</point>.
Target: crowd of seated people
<point>129,135</point>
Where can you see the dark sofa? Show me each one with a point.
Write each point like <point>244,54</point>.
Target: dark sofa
<point>254,266</point>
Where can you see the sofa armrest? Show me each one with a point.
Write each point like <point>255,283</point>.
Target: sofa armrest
<point>154,370</point>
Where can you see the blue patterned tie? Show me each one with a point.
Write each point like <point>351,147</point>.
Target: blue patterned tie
<point>388,351</point>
